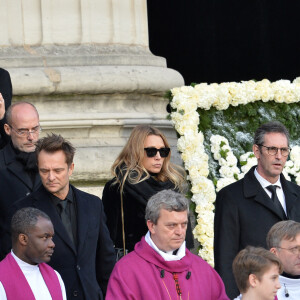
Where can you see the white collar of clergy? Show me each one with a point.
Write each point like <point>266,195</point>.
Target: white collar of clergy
<point>167,256</point>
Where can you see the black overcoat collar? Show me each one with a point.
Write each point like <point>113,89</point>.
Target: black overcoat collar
<point>253,190</point>
<point>17,169</point>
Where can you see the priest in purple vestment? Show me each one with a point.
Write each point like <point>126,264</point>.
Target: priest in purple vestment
<point>160,267</point>
<point>24,273</point>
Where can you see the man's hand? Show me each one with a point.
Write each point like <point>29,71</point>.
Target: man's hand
<point>2,107</point>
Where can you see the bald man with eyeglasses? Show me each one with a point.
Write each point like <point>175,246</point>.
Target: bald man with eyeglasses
<point>248,208</point>
<point>18,168</point>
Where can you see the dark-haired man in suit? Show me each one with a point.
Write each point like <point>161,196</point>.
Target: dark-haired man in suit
<point>248,208</point>
<point>84,253</point>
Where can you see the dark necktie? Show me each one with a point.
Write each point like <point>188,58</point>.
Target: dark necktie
<point>277,204</point>
<point>65,218</point>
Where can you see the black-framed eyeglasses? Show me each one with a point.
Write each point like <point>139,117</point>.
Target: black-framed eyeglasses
<point>274,150</point>
<point>26,132</point>
<point>294,250</point>
<point>151,151</point>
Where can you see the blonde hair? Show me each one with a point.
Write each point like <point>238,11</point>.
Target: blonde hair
<point>128,164</point>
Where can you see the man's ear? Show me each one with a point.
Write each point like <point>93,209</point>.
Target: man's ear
<point>71,169</point>
<point>253,280</point>
<point>23,239</point>
<point>7,129</point>
<point>256,151</point>
<point>274,251</point>
<point>150,226</point>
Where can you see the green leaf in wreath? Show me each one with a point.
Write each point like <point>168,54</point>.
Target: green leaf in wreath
<point>223,153</point>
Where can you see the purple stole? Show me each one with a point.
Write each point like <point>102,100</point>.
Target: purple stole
<point>16,285</point>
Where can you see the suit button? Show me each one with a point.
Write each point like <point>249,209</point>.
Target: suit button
<point>28,193</point>
<point>75,293</point>
<point>78,267</point>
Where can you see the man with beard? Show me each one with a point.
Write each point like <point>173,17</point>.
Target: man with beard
<point>18,169</point>
<point>248,208</point>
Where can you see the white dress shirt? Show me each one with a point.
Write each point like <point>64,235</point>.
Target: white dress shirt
<point>264,183</point>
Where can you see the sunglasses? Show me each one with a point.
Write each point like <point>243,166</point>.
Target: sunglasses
<point>151,151</point>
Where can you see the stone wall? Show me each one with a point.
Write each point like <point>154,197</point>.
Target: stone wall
<point>87,67</point>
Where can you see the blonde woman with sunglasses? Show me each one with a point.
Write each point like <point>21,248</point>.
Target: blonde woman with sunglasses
<point>142,169</point>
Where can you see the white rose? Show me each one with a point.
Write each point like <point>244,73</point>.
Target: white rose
<point>222,182</point>
<point>295,153</point>
<point>286,175</point>
<point>229,171</point>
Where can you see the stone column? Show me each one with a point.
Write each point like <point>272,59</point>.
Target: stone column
<point>87,67</point>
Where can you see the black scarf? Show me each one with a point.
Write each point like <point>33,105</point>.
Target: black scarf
<point>28,160</point>
<point>144,190</point>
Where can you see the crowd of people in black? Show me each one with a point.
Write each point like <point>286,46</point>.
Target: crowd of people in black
<point>63,243</point>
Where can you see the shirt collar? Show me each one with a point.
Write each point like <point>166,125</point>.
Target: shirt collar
<point>169,255</point>
<point>69,197</point>
<point>264,183</point>
<point>22,263</point>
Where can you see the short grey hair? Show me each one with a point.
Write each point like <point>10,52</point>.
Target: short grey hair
<point>9,111</point>
<point>283,230</point>
<point>24,220</point>
<point>269,127</point>
<point>168,200</point>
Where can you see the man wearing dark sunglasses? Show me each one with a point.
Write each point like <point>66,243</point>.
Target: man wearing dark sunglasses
<point>248,208</point>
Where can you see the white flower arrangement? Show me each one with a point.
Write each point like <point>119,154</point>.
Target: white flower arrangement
<point>185,101</point>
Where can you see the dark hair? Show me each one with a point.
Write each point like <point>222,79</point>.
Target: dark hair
<point>165,199</point>
<point>24,220</point>
<point>283,230</point>
<point>53,143</point>
<point>9,111</point>
<point>269,127</point>
<point>252,260</point>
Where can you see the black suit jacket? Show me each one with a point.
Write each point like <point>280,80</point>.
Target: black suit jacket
<point>15,184</point>
<point>6,91</point>
<point>86,268</point>
<point>244,215</point>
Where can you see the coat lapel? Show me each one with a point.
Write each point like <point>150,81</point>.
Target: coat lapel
<point>17,169</point>
<point>37,181</point>
<point>253,190</point>
<point>291,199</point>
<point>43,202</point>
<point>82,218</point>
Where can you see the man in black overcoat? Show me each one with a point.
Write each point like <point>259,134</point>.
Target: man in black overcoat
<point>84,253</point>
<point>248,208</point>
<point>18,169</point>
<point>5,102</point>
